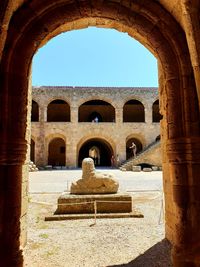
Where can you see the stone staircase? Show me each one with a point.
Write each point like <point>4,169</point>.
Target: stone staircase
<point>150,155</point>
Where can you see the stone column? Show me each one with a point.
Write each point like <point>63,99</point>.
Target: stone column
<point>119,115</point>
<point>42,113</point>
<point>13,168</point>
<point>40,149</point>
<point>121,148</point>
<point>71,154</point>
<point>74,114</point>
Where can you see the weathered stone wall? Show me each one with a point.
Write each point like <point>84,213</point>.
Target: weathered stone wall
<point>74,133</point>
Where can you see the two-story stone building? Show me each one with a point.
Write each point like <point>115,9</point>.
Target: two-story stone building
<point>70,123</point>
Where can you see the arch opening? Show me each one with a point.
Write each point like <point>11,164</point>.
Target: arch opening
<point>34,111</point>
<point>58,111</point>
<point>96,111</point>
<point>98,149</point>
<point>56,152</point>
<point>133,111</point>
<point>32,151</point>
<point>156,116</point>
<point>129,151</point>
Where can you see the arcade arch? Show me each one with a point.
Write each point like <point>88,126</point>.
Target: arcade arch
<point>137,142</point>
<point>58,111</point>
<point>133,111</point>
<point>32,150</point>
<point>35,23</point>
<point>98,149</point>
<point>34,111</point>
<point>56,152</point>
<point>96,111</point>
<point>156,116</point>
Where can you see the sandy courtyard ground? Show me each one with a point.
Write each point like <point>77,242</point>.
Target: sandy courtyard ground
<point>137,242</point>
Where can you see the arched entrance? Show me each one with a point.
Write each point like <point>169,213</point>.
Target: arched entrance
<point>98,149</point>
<point>133,111</point>
<point>96,111</point>
<point>56,155</point>
<point>58,110</point>
<point>129,152</point>
<point>31,26</point>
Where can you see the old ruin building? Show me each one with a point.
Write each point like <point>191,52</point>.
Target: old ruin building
<point>64,131</point>
<point>170,29</point>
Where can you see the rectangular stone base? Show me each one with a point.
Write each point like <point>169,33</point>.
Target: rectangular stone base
<point>81,204</point>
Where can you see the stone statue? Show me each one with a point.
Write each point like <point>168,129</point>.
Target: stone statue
<point>93,182</point>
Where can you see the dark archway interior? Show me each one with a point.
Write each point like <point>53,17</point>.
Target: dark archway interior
<point>158,138</point>
<point>58,110</point>
<point>56,155</point>
<point>156,116</point>
<point>105,152</point>
<point>34,111</point>
<point>104,111</point>
<point>133,111</point>
<point>129,152</point>
<point>32,151</point>
<point>95,117</point>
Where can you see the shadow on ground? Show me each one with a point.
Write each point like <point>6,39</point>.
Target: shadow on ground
<point>156,256</point>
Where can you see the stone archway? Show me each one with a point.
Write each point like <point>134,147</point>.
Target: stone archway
<point>156,117</point>
<point>32,150</point>
<point>58,110</point>
<point>133,111</point>
<point>56,152</point>
<point>138,144</point>
<point>98,149</point>
<point>34,111</point>
<point>32,26</point>
<point>102,110</point>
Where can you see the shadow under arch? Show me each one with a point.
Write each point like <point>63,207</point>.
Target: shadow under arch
<point>58,110</point>
<point>156,116</point>
<point>137,142</point>
<point>32,150</point>
<point>133,111</point>
<point>96,109</point>
<point>36,22</point>
<point>35,111</point>
<point>56,152</point>
<point>103,152</point>
<point>157,255</point>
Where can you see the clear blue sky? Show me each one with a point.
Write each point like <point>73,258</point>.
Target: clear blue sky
<point>94,57</point>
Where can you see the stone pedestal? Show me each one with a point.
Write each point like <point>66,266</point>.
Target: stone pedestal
<point>84,204</point>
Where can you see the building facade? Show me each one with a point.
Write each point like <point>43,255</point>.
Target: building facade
<point>70,123</point>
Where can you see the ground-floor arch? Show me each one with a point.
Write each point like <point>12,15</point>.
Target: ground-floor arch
<point>56,152</point>
<point>98,149</point>
<point>32,150</point>
<point>139,146</point>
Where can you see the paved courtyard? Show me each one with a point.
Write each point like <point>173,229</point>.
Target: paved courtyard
<point>130,242</point>
<point>59,181</point>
